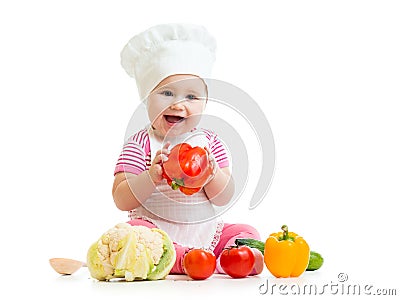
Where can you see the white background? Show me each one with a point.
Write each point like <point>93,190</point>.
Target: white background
<point>325,73</point>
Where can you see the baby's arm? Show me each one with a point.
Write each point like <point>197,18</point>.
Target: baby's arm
<point>130,190</point>
<point>221,188</point>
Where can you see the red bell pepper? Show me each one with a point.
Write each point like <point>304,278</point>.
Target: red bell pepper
<point>187,168</point>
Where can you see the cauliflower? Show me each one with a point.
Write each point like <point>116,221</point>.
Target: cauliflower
<point>131,252</point>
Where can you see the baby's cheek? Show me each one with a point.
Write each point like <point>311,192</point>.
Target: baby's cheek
<point>154,119</point>
<point>193,120</point>
<point>155,110</point>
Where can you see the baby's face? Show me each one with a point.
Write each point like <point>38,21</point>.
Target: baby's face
<point>176,104</point>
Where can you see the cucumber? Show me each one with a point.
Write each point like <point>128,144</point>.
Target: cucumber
<point>252,243</point>
<point>315,262</point>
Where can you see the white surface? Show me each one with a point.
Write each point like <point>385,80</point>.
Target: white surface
<point>321,283</point>
<point>326,74</point>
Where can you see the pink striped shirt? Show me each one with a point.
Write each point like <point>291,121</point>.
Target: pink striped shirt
<point>135,156</point>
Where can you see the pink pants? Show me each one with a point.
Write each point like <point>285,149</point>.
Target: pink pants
<point>229,234</point>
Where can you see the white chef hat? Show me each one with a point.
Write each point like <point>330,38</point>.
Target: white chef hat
<point>166,50</point>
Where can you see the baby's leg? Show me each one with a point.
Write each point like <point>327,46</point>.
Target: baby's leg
<point>141,222</point>
<point>229,234</point>
<point>180,251</point>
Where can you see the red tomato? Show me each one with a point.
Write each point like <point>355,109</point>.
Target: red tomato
<point>237,262</point>
<point>199,264</point>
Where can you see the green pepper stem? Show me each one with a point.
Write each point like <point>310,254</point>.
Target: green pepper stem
<point>174,185</point>
<point>285,232</point>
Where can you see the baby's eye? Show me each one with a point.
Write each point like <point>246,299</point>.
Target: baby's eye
<point>167,93</point>
<point>191,97</point>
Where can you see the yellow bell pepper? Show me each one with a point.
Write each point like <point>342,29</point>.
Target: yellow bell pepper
<point>286,254</point>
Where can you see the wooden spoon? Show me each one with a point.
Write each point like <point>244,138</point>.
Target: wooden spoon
<point>66,266</point>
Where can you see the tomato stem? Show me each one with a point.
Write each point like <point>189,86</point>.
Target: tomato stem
<point>231,247</point>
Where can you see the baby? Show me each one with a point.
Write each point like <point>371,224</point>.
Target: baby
<point>169,63</point>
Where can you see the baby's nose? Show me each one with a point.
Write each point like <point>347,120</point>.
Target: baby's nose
<point>178,105</point>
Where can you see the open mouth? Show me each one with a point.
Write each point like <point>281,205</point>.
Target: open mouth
<point>173,119</point>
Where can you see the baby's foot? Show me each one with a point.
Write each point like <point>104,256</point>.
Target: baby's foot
<point>258,262</point>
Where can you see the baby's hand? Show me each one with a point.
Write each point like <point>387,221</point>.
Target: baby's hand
<point>155,170</point>
<point>212,163</point>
